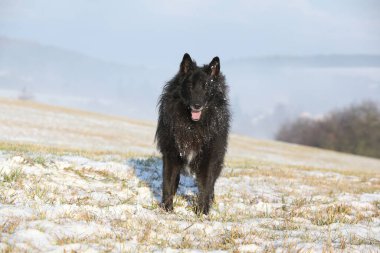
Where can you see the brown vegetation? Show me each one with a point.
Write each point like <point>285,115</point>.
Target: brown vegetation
<point>355,129</point>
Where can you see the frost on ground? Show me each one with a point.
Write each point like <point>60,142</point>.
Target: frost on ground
<point>57,203</point>
<point>72,181</point>
<point>27,122</point>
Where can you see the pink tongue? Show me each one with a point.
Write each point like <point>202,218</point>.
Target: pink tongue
<point>196,115</point>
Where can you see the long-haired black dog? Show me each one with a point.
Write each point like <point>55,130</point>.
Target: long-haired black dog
<point>192,131</point>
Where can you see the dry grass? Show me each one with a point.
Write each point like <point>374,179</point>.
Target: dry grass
<point>110,134</point>
<point>272,195</point>
<point>15,175</point>
<point>335,186</point>
<point>62,240</point>
<point>24,149</point>
<point>59,109</point>
<point>37,191</point>
<point>331,214</point>
<point>10,225</point>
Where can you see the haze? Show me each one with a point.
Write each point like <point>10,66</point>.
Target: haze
<point>282,59</point>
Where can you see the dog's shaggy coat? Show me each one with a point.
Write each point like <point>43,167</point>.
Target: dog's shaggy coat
<point>192,130</point>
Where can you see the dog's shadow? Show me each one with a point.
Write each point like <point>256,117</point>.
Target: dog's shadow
<point>149,172</point>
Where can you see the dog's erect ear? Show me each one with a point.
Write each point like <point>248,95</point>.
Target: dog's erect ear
<point>214,67</point>
<point>186,64</point>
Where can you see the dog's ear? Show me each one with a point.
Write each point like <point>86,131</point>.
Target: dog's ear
<point>214,67</point>
<point>186,64</point>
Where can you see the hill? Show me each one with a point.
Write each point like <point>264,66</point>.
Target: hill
<point>265,91</point>
<point>63,77</point>
<point>82,181</point>
<point>28,122</point>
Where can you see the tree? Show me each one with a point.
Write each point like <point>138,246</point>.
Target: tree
<point>355,129</point>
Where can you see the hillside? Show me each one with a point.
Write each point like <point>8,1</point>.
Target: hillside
<point>294,84</point>
<point>74,180</point>
<point>57,127</point>
<point>63,77</point>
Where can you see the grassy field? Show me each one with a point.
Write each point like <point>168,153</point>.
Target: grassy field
<point>78,181</point>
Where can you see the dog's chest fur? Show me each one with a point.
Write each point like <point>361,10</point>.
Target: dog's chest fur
<point>190,138</point>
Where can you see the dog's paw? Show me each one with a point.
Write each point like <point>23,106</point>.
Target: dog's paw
<point>167,207</point>
<point>202,209</point>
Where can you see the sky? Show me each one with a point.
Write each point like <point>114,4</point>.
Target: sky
<point>158,32</point>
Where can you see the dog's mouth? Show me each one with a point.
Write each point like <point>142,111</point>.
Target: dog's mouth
<point>196,113</point>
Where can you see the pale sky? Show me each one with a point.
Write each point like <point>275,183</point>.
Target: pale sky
<point>154,33</point>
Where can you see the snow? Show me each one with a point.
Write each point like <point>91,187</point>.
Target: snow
<point>32,123</point>
<point>54,126</point>
<point>249,248</point>
<point>31,237</point>
<point>370,197</point>
<point>276,197</point>
<point>112,204</point>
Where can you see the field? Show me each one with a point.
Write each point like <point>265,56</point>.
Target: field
<point>85,182</point>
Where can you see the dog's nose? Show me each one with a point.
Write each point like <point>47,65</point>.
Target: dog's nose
<point>197,106</point>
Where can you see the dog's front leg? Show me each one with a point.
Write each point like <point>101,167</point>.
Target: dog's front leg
<point>209,172</point>
<point>171,173</point>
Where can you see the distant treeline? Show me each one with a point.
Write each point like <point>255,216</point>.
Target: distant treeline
<point>355,129</point>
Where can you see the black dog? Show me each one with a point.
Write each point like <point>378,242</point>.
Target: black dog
<point>192,131</point>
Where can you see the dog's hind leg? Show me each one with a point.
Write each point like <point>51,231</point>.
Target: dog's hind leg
<point>171,175</point>
<point>205,182</point>
<point>176,183</point>
<point>205,194</point>
<point>206,178</point>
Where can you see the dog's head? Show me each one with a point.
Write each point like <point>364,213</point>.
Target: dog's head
<point>197,84</point>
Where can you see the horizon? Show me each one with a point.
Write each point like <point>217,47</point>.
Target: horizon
<point>230,60</point>
<point>281,60</point>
